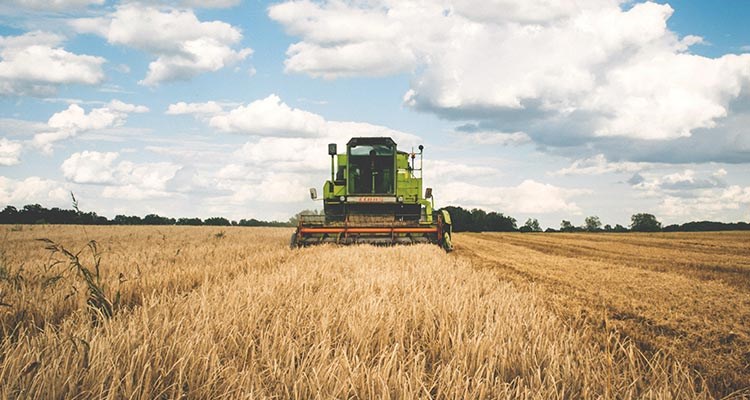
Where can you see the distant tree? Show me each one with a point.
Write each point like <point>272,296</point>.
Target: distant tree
<point>497,222</point>
<point>619,228</point>
<point>533,225</point>
<point>566,226</point>
<point>461,219</point>
<point>478,220</point>
<point>593,224</point>
<point>154,219</point>
<point>608,228</point>
<point>550,230</point>
<point>9,215</point>
<point>644,222</point>
<point>189,221</point>
<point>217,221</point>
<point>127,220</point>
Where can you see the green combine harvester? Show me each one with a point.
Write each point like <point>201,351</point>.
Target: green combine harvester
<point>374,197</point>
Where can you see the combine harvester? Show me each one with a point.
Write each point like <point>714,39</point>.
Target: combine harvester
<point>374,197</point>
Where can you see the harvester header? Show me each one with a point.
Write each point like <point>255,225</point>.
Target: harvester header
<point>374,196</point>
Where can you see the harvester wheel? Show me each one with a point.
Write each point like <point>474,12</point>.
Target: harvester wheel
<point>293,241</point>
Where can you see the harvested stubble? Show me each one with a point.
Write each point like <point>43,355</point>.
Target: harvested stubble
<point>242,316</point>
<point>685,294</point>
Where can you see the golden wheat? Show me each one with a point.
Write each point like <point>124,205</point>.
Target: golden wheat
<point>239,315</point>
<point>683,293</point>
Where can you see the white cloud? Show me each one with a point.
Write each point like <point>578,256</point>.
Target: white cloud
<point>693,194</point>
<point>529,197</point>
<point>183,45</point>
<point>89,167</point>
<point>498,138</point>
<point>32,190</point>
<point>74,119</point>
<point>210,107</point>
<point>10,152</point>
<point>271,187</point>
<point>272,117</point>
<point>447,171</point>
<point>707,204</point>
<point>684,183</point>
<point>598,165</point>
<point>602,69</point>
<point>35,64</point>
<point>279,154</point>
<point>125,180</point>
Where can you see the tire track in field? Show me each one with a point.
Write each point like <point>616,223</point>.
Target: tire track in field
<point>705,323</point>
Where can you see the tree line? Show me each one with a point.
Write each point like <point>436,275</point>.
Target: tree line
<point>474,220</point>
<point>477,220</point>
<point>36,214</point>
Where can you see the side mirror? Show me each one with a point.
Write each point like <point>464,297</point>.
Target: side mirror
<point>332,149</point>
<point>313,194</point>
<point>428,193</point>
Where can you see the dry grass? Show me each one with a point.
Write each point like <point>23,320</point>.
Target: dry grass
<point>685,294</point>
<point>240,315</point>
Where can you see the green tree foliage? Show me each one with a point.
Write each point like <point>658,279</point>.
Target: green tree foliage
<point>478,220</point>
<point>707,226</point>
<point>531,225</point>
<point>619,228</point>
<point>593,224</point>
<point>189,221</point>
<point>36,214</point>
<point>217,221</point>
<point>644,222</point>
<point>566,226</point>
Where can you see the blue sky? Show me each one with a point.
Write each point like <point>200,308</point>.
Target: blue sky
<point>538,109</point>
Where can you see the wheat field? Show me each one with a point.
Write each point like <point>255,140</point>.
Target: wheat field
<point>201,312</point>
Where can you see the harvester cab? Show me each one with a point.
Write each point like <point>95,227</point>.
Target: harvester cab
<point>374,196</point>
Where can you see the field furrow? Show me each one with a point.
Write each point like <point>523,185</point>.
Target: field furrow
<point>635,289</point>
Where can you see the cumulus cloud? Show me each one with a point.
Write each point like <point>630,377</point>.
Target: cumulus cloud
<point>706,204</point>
<point>210,107</point>
<point>598,165</point>
<point>688,193</point>
<point>124,180</point>
<point>183,45</point>
<point>683,183</point>
<point>529,197</point>
<point>10,152</point>
<point>566,73</point>
<point>89,167</point>
<point>274,118</point>
<point>35,64</point>
<point>32,190</point>
<point>74,120</point>
<point>498,138</point>
<point>270,117</point>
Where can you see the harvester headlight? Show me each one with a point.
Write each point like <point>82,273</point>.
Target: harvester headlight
<point>342,198</point>
<point>400,199</point>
